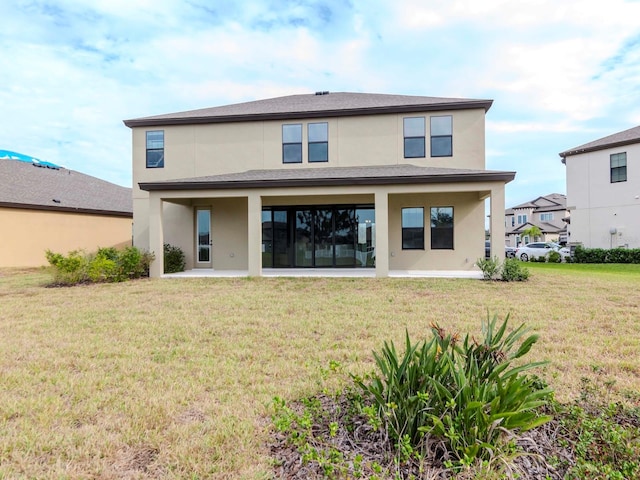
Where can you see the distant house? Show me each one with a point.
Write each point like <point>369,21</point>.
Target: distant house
<point>548,213</point>
<point>324,180</point>
<point>603,191</point>
<point>44,206</point>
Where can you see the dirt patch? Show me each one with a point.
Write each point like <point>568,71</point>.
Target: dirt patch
<point>137,462</point>
<point>364,452</point>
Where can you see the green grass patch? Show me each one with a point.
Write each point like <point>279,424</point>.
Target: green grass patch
<point>173,378</point>
<point>621,269</point>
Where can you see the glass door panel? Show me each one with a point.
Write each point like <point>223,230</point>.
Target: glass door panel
<point>281,240</point>
<point>203,241</point>
<point>267,239</point>
<point>366,237</point>
<point>303,238</point>
<point>323,234</point>
<point>344,237</point>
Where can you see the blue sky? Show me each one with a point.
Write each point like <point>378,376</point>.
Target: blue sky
<point>560,73</point>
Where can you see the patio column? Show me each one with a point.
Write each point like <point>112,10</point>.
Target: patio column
<point>497,221</point>
<point>255,234</point>
<point>382,233</point>
<point>156,235</point>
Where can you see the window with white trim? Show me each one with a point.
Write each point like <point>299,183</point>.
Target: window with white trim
<point>155,149</point>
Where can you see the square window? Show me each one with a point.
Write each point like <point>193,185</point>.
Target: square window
<point>155,149</point>
<point>413,228</point>
<point>414,128</point>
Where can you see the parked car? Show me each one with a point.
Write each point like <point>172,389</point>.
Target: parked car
<point>540,249</point>
<point>509,252</point>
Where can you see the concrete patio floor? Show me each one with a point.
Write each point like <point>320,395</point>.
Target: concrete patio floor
<point>326,272</point>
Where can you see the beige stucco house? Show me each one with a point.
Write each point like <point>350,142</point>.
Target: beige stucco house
<point>547,212</point>
<point>603,191</point>
<point>353,180</point>
<point>53,208</point>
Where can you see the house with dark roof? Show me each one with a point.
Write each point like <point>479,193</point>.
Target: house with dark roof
<point>548,213</point>
<point>603,191</point>
<point>44,206</point>
<point>325,180</point>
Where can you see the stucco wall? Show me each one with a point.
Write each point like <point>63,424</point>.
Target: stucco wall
<point>598,206</point>
<point>468,232</point>
<point>211,149</point>
<point>26,234</point>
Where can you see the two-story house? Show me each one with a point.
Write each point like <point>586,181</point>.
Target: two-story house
<point>548,213</point>
<point>603,191</point>
<point>388,182</point>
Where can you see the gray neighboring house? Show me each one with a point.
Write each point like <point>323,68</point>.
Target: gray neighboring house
<point>548,213</point>
<point>50,207</point>
<point>603,191</point>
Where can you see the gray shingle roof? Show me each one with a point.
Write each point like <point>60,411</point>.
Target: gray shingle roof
<point>311,105</point>
<point>331,176</point>
<point>619,139</point>
<point>557,200</point>
<point>24,185</point>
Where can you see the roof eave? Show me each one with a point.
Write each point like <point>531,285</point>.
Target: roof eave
<point>52,208</point>
<point>324,182</point>
<point>153,122</point>
<point>579,151</point>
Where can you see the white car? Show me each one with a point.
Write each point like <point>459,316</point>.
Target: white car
<point>540,249</point>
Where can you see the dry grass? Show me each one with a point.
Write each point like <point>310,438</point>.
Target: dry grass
<point>173,378</point>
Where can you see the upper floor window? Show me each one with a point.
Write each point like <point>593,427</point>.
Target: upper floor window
<point>442,136</point>
<point>442,228</point>
<point>619,167</point>
<point>414,137</point>
<point>318,142</point>
<point>546,217</point>
<point>292,143</point>
<point>413,228</point>
<point>522,219</point>
<point>155,149</point>
<point>513,221</point>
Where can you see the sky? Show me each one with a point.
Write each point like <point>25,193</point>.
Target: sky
<point>560,73</point>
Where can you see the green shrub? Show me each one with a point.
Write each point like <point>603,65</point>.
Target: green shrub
<point>601,255</point>
<point>490,267</point>
<point>106,265</point>
<point>173,259</point>
<point>70,269</point>
<point>554,257</point>
<point>463,395</point>
<point>513,271</point>
<point>102,269</point>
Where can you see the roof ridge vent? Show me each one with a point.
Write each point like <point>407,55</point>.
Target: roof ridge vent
<point>323,92</point>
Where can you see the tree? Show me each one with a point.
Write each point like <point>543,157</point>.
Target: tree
<point>532,232</point>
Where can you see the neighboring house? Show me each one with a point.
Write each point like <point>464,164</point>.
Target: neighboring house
<point>388,182</point>
<point>548,213</point>
<point>603,191</point>
<point>43,206</point>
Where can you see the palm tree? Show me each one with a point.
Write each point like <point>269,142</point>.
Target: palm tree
<point>532,232</point>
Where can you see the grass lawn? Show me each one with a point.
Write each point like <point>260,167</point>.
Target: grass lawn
<point>173,378</point>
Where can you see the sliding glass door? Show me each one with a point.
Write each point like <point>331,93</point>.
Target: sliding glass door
<point>319,236</point>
